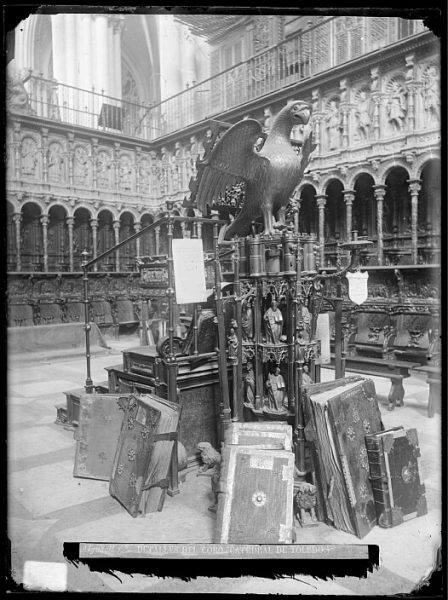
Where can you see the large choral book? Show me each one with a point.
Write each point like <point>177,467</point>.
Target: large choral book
<point>339,414</point>
<point>142,460</point>
<point>255,497</point>
<point>399,494</point>
<point>266,435</point>
<point>100,418</point>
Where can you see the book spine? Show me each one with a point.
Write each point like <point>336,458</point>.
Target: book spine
<point>379,480</point>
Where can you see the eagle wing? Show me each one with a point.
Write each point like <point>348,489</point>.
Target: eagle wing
<point>232,160</point>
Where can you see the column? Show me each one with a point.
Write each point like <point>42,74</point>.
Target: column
<point>116,23</point>
<point>70,52</point>
<point>44,222</point>
<point>116,163</point>
<point>71,143</point>
<point>94,165</point>
<point>17,157</point>
<point>85,80</point>
<point>70,221</point>
<point>45,154</point>
<point>137,169</point>
<point>321,201</point>
<point>414,189</point>
<point>376,99</point>
<point>411,91</point>
<point>100,71</point>
<point>116,226</point>
<point>17,218</point>
<point>349,196</point>
<point>137,228</point>
<point>317,134</point>
<point>94,226</point>
<point>380,192</point>
<point>58,39</point>
<point>157,234</point>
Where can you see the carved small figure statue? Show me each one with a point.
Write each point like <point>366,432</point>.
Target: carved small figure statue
<point>278,399</point>
<point>273,323</point>
<point>306,377</point>
<point>211,461</point>
<point>431,94</point>
<point>363,115</point>
<point>305,504</point>
<point>397,107</point>
<point>232,344</point>
<point>333,120</point>
<point>247,323</point>
<point>249,385</point>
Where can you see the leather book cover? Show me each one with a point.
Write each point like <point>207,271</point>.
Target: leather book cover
<point>142,428</point>
<point>355,414</point>
<point>261,434</point>
<point>337,418</point>
<point>100,418</point>
<point>255,496</point>
<point>393,461</point>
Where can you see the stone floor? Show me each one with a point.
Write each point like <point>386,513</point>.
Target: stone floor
<point>47,505</point>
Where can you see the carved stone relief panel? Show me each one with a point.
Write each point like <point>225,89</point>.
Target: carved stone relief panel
<point>82,166</point>
<point>30,157</point>
<point>104,169</point>
<point>362,113</point>
<point>57,162</point>
<point>126,172</point>
<point>396,105</point>
<point>333,123</point>
<point>430,96</point>
<point>144,171</point>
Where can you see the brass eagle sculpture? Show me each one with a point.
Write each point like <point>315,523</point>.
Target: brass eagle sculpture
<point>270,175</point>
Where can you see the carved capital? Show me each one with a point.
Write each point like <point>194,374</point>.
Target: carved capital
<point>321,200</point>
<point>44,220</point>
<point>380,191</point>
<point>17,217</point>
<point>414,186</point>
<point>349,196</point>
<point>94,223</point>
<point>70,221</point>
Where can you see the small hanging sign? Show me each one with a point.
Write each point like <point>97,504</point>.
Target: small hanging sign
<point>189,271</point>
<point>357,286</point>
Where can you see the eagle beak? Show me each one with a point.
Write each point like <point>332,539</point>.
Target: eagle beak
<point>303,115</point>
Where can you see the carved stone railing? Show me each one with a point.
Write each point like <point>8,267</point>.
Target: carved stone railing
<point>309,52</point>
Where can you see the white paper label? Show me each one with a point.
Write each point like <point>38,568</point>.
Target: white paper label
<point>189,271</point>
<point>323,334</point>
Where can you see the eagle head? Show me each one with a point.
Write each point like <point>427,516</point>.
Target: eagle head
<point>299,112</point>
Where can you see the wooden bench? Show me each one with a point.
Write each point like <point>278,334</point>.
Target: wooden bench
<point>395,370</point>
<point>433,378</point>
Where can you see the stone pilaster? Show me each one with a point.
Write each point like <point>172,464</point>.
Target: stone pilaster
<point>70,221</point>
<point>380,192</point>
<point>349,197</point>
<point>17,219</point>
<point>414,189</point>
<point>94,227</point>
<point>116,226</point>
<point>44,223</point>
<point>321,201</point>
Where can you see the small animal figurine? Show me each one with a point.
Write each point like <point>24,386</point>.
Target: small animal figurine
<point>211,466</point>
<point>305,503</point>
